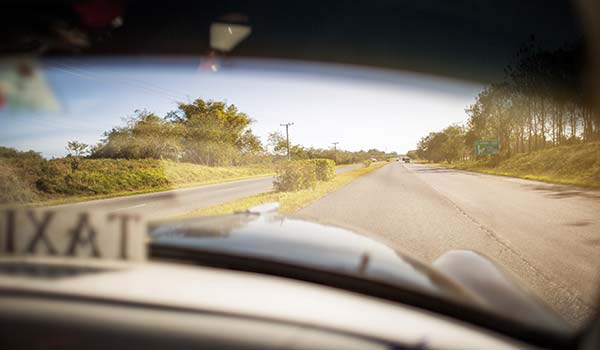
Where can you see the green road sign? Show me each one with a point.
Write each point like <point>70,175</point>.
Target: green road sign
<point>487,147</point>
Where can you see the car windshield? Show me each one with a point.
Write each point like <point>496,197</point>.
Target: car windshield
<point>418,163</point>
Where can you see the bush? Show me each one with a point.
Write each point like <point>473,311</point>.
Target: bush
<point>101,176</point>
<point>18,174</point>
<point>366,163</point>
<point>325,169</point>
<point>13,188</point>
<point>27,177</point>
<point>295,175</point>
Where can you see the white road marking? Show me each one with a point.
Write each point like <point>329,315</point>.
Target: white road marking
<point>132,207</point>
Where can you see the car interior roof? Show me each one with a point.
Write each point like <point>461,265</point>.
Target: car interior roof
<point>468,39</point>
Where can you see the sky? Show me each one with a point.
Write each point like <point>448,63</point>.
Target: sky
<point>361,108</point>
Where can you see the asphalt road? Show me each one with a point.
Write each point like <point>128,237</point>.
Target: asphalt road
<point>547,235</point>
<point>166,203</point>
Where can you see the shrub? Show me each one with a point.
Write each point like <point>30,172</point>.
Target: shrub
<point>325,169</point>
<point>18,174</point>
<point>366,163</point>
<point>13,188</point>
<point>101,176</point>
<point>106,176</point>
<point>295,175</point>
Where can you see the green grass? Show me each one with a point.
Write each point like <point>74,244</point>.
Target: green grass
<point>345,165</point>
<point>289,201</point>
<point>570,165</point>
<point>75,199</point>
<point>419,161</point>
<point>56,183</point>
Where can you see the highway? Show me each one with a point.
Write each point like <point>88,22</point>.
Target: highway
<point>547,236</point>
<point>167,203</point>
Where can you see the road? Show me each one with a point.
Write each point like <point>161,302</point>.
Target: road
<point>547,235</point>
<point>166,203</point>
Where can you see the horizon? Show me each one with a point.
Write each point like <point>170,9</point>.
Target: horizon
<point>359,107</point>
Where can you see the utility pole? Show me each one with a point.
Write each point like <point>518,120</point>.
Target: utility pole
<point>287,137</point>
<point>335,151</point>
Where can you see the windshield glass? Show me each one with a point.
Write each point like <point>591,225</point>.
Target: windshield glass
<point>421,164</point>
<point>95,128</point>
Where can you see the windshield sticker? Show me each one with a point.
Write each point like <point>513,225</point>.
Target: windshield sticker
<point>23,87</point>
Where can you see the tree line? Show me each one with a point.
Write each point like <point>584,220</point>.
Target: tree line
<point>277,146</point>
<point>210,133</point>
<point>541,102</point>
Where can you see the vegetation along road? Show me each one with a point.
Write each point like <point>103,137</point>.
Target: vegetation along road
<point>547,235</point>
<point>167,203</point>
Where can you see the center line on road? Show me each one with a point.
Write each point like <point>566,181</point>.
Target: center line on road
<point>132,207</point>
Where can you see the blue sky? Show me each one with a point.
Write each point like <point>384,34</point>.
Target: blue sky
<point>359,107</point>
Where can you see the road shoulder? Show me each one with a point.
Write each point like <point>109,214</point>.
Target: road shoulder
<point>290,201</point>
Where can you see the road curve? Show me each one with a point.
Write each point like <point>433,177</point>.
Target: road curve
<point>547,235</point>
<point>166,203</point>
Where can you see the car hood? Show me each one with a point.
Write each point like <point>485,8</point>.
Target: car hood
<point>298,242</point>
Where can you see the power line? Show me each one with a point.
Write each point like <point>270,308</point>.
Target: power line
<point>170,91</point>
<point>287,137</point>
<point>89,75</point>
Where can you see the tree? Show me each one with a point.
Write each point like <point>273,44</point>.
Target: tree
<point>145,135</point>
<point>453,148</point>
<point>412,154</point>
<point>539,104</point>
<point>446,145</point>
<point>277,143</point>
<point>76,149</point>
<point>215,133</point>
<point>430,147</point>
<point>203,132</point>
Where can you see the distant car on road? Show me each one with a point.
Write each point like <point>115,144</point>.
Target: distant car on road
<point>406,160</point>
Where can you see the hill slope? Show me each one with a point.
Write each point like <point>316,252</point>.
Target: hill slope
<point>575,165</point>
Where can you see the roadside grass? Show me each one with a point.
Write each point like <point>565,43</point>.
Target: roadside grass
<point>78,199</point>
<point>56,183</point>
<point>289,201</point>
<point>569,165</point>
<point>419,161</point>
<point>345,165</point>
<point>337,166</point>
<point>182,176</point>
<point>188,174</point>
